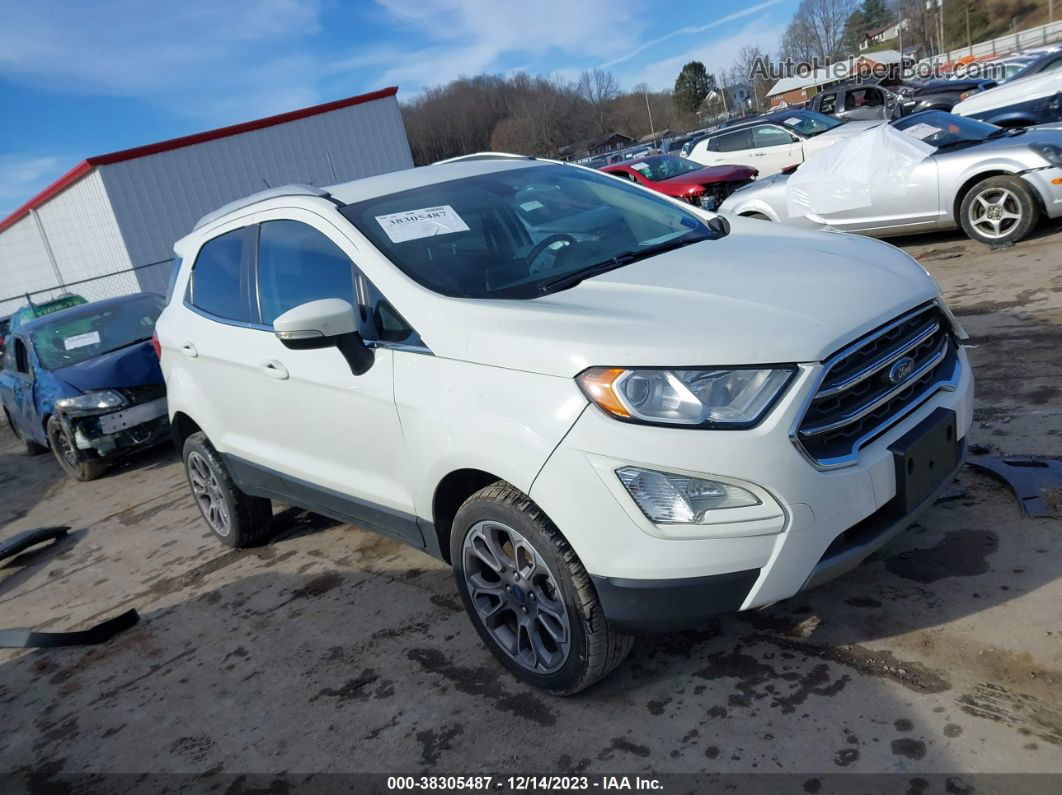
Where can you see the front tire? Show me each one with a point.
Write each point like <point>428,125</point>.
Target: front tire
<point>237,519</point>
<point>999,211</point>
<point>65,453</point>
<point>527,594</point>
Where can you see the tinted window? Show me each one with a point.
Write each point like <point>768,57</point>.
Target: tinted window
<point>517,232</point>
<point>731,142</point>
<point>96,330</point>
<point>767,135</point>
<point>296,264</point>
<point>827,103</point>
<point>21,357</point>
<point>862,98</point>
<point>216,285</point>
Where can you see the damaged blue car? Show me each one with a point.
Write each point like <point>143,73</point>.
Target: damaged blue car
<point>85,382</point>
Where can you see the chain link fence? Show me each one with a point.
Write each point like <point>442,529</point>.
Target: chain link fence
<point>151,278</point>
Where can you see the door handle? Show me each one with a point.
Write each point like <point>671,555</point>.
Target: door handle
<point>189,350</point>
<point>274,369</point>
<point>759,154</point>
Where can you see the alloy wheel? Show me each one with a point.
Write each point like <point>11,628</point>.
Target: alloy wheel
<point>207,492</point>
<point>516,597</point>
<point>995,212</point>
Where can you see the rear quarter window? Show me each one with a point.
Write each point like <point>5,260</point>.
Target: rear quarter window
<point>218,285</point>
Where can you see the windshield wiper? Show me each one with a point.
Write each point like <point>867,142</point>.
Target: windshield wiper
<point>618,261</point>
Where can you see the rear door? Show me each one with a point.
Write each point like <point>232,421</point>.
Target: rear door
<point>211,354</point>
<point>774,148</point>
<point>725,147</point>
<point>18,386</point>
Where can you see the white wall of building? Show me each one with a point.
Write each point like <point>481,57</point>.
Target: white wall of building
<point>129,214</point>
<point>158,198</point>
<point>80,227</point>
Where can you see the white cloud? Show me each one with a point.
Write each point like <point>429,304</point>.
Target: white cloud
<point>693,30</point>
<point>23,175</point>
<point>466,37</point>
<point>716,55</point>
<point>242,53</point>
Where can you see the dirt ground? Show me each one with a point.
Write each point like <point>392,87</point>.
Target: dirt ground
<point>331,649</point>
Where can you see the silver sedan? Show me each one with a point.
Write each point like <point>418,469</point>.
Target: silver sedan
<point>995,183</point>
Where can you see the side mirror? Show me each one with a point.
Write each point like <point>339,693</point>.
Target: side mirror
<point>326,323</point>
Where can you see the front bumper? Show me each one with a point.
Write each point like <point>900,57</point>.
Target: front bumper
<point>1048,184</point>
<point>812,525</point>
<point>118,432</point>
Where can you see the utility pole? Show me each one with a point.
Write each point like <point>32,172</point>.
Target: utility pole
<point>652,129</point>
<point>969,41</point>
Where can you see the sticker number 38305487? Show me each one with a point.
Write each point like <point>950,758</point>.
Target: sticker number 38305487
<point>426,222</point>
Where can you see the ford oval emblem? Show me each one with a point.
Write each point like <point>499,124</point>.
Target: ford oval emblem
<point>901,370</point>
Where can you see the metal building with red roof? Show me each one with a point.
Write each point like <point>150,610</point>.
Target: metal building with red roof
<point>108,225</point>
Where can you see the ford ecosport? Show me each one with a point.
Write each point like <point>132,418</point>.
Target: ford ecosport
<point>610,411</point>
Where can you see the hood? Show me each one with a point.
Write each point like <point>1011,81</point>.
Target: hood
<point>1012,92</point>
<point>765,293</point>
<point>132,366</point>
<point>711,174</point>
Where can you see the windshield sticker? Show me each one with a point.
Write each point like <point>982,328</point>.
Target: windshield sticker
<point>921,131</point>
<point>641,168</point>
<point>531,205</point>
<point>82,340</point>
<point>416,224</point>
<point>792,121</point>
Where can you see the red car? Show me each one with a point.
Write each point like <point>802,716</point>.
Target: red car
<point>684,179</point>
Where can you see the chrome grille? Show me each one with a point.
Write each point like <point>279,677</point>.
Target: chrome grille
<point>873,383</point>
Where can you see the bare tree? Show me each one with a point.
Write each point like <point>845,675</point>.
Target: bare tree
<point>744,73</point>
<point>817,30</point>
<point>599,88</point>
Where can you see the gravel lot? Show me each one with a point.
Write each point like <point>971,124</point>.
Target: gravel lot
<point>331,649</point>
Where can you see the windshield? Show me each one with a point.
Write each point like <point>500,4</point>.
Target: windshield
<point>86,335</point>
<point>941,129</point>
<point>510,233</point>
<point>807,122</point>
<point>655,169</point>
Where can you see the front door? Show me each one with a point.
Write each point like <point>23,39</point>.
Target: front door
<point>914,208</point>
<point>334,436</point>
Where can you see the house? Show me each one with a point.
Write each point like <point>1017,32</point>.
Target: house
<point>882,34</point>
<point>595,146</point>
<point>797,90</point>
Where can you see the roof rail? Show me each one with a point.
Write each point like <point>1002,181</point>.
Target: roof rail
<point>262,195</point>
<point>484,156</point>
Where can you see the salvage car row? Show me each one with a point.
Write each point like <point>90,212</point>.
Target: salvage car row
<point>610,409</point>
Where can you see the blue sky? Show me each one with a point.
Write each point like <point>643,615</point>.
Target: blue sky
<point>85,78</point>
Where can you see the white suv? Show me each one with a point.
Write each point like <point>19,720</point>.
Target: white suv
<point>613,413</point>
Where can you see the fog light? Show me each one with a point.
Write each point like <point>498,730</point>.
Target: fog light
<point>667,498</point>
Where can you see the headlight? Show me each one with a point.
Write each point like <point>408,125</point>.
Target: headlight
<point>1049,152</point>
<point>679,499</point>
<point>736,398</point>
<point>92,401</point>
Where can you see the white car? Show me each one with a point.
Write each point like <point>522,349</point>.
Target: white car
<point>611,412</point>
<point>1024,101</point>
<point>770,143</point>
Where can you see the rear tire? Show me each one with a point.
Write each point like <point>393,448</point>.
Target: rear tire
<point>528,596</point>
<point>236,518</point>
<point>999,211</point>
<point>65,452</point>
<point>29,446</point>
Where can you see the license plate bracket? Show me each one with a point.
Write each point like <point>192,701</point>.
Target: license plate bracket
<point>924,457</point>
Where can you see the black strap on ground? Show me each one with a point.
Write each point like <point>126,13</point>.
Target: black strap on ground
<point>104,631</point>
<point>30,538</point>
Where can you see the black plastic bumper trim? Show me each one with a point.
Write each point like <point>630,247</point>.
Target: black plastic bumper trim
<point>640,607</point>
<point>843,562</point>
